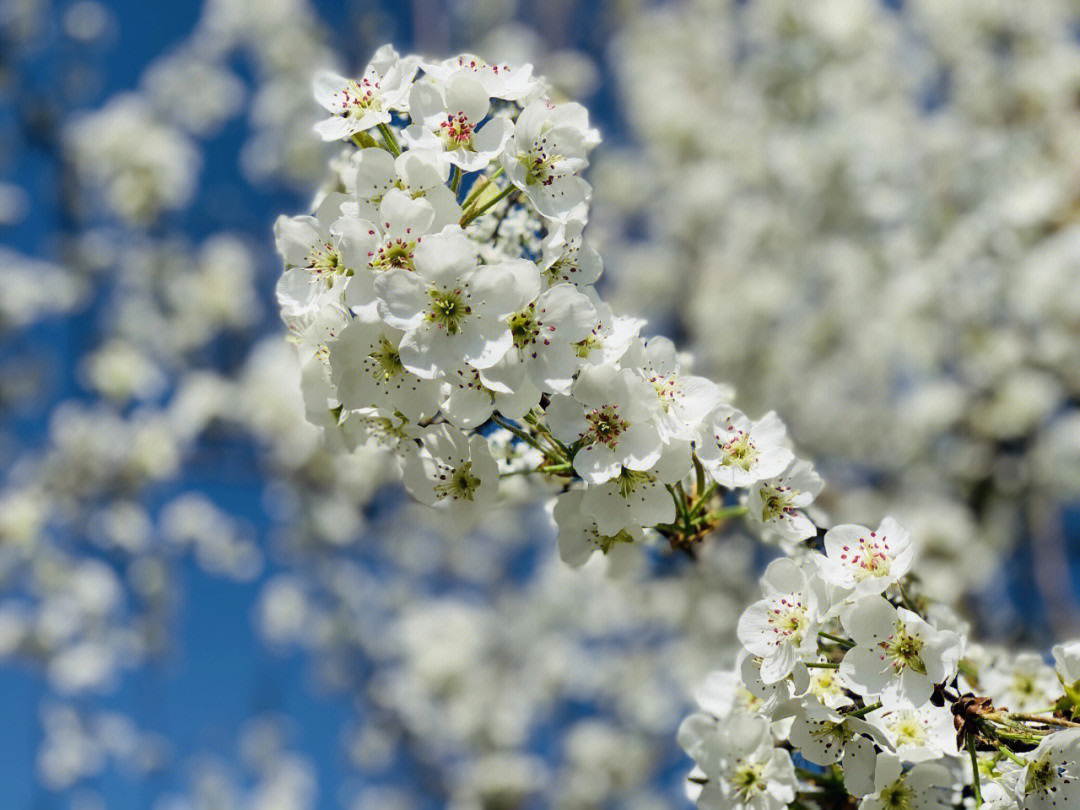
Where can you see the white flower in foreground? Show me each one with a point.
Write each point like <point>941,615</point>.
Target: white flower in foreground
<point>610,415</point>
<point>451,311</point>
<point>825,736</point>
<point>392,432</point>
<point>1067,661</point>
<point>567,257</point>
<point>683,399</point>
<point>633,499</point>
<point>579,535</point>
<point>545,332</point>
<point>828,687</point>
<point>359,105</point>
<point>737,452</point>
<point>773,699</point>
<point>419,173</point>
<point>924,787</point>
<point>1051,780</point>
<point>448,117</point>
<point>744,770</point>
<point>509,82</point>
<point>864,560</point>
<point>776,503</point>
<point>782,628</point>
<point>367,372</point>
<point>611,338</point>
<point>452,471</point>
<point>897,656</point>
<point>918,735</point>
<point>325,245</point>
<point>547,150</point>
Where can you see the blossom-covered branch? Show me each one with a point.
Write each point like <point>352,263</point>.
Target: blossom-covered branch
<point>443,303</point>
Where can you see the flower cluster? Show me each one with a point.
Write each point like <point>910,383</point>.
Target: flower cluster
<point>441,296</point>
<point>851,686</point>
<point>850,174</point>
<point>442,299</point>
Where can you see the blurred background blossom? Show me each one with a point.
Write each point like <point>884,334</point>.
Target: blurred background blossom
<point>863,214</point>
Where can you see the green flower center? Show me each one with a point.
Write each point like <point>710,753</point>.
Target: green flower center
<point>359,97</point>
<point>385,361</point>
<point>904,649</point>
<point>396,252</point>
<point>448,310</point>
<point>456,131</point>
<point>897,796</point>
<point>538,165</point>
<point>629,480</point>
<point>605,425</point>
<point>523,327</point>
<point>749,779</point>
<point>460,484</point>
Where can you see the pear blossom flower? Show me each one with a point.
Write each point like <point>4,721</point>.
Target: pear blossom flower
<point>452,471</point>
<point>502,81</point>
<point>918,735</point>
<point>367,372</point>
<point>610,416</point>
<point>924,787</point>
<point>744,770</point>
<point>360,104</point>
<point>737,452</point>
<point>545,332</point>
<point>1051,779</point>
<point>863,560</point>
<point>419,173</point>
<point>825,736</point>
<point>579,535</point>
<point>683,399</point>
<point>451,310</point>
<point>547,150</point>
<point>567,257</point>
<point>776,503</point>
<point>449,118</point>
<point>782,628</point>
<point>1022,681</point>
<point>898,657</point>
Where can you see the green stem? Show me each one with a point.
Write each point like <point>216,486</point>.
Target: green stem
<point>843,642</point>
<point>455,179</point>
<point>975,786</point>
<point>550,469</point>
<point>521,434</point>
<point>907,602</point>
<point>865,710</point>
<point>544,431</point>
<point>478,188</point>
<point>822,665</point>
<point>391,139</point>
<point>476,211</point>
<point>703,498</point>
<point>1005,750</point>
<point>1046,721</point>
<point>688,527</point>
<point>680,505</point>
<point>557,468</point>
<point>725,512</point>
